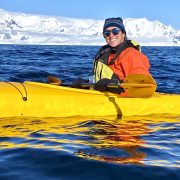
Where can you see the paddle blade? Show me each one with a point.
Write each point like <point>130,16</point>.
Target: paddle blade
<point>54,80</point>
<point>140,79</point>
<point>141,91</point>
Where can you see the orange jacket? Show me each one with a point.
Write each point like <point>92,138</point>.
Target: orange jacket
<point>130,61</point>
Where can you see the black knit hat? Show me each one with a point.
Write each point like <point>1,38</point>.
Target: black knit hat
<point>116,22</point>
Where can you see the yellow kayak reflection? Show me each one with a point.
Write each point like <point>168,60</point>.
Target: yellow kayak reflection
<point>103,139</point>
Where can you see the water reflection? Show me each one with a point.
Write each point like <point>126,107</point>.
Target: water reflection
<point>116,142</point>
<point>127,140</point>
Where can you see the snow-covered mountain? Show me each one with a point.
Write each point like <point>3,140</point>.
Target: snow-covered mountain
<point>20,28</point>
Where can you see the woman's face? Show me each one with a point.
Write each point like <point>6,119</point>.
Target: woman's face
<point>114,40</point>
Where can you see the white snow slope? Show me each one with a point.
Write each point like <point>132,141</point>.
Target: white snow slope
<point>20,28</point>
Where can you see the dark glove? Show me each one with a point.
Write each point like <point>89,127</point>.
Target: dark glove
<point>77,83</point>
<point>102,85</point>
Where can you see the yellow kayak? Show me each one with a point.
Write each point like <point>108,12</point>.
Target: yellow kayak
<point>33,99</point>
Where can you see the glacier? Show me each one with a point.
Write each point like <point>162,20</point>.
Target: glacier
<point>21,28</point>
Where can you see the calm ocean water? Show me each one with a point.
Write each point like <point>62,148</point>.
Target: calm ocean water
<point>87,148</point>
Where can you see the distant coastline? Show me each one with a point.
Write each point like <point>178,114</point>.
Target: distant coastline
<point>20,28</point>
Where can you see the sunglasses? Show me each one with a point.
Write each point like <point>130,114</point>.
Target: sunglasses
<point>114,31</point>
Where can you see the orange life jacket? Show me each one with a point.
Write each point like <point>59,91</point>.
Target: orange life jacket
<point>117,63</point>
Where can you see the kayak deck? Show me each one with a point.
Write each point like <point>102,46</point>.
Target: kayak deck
<point>33,99</point>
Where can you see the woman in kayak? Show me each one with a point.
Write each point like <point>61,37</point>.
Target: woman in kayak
<point>119,58</point>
